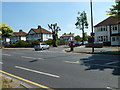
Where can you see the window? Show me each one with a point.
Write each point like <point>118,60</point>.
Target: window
<point>102,38</point>
<point>102,28</point>
<point>114,27</point>
<point>106,38</point>
<point>49,35</point>
<point>113,39</point>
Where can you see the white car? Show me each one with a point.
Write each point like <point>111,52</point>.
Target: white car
<point>41,46</point>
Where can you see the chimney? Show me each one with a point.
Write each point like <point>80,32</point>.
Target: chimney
<point>20,30</point>
<point>39,27</point>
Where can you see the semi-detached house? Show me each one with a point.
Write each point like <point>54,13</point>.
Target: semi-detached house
<point>67,37</point>
<point>40,34</point>
<point>16,36</point>
<point>108,31</point>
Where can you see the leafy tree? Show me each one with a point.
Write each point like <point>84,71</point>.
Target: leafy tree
<point>77,38</point>
<point>82,23</point>
<point>86,36</point>
<point>6,30</point>
<point>115,10</point>
<point>55,28</point>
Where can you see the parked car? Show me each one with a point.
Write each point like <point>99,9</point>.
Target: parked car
<point>41,46</point>
<point>77,43</point>
<point>96,44</point>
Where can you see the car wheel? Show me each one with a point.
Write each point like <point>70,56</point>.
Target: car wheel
<point>35,49</point>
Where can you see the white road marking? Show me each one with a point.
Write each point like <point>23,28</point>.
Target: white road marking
<point>28,57</point>
<point>76,62</point>
<point>18,53</point>
<point>31,57</point>
<point>111,63</point>
<point>6,54</point>
<point>1,62</point>
<point>48,74</point>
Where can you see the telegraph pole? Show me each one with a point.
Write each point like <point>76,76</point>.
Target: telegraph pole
<point>92,26</point>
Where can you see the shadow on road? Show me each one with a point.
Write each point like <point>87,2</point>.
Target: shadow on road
<point>33,61</point>
<point>102,62</point>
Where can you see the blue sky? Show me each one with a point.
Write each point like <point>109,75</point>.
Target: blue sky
<point>27,15</point>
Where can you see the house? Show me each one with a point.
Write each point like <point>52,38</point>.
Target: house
<point>67,37</point>
<point>40,34</point>
<point>108,31</point>
<point>16,36</point>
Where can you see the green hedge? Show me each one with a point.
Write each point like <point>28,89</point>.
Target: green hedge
<point>20,43</point>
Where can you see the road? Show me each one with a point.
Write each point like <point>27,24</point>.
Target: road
<point>57,69</point>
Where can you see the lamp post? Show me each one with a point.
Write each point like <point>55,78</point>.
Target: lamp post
<point>92,26</point>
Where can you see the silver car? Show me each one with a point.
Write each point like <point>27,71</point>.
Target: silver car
<point>41,46</point>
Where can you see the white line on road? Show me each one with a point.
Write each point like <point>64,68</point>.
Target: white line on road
<point>48,74</point>
<point>31,57</point>
<point>1,62</point>
<point>76,62</point>
<point>28,57</point>
<point>6,54</point>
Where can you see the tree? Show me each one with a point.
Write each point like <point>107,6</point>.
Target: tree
<point>115,10</point>
<point>86,36</point>
<point>77,38</point>
<point>6,31</point>
<point>55,28</point>
<point>82,23</point>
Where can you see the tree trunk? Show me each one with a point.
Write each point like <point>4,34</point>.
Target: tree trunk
<point>83,35</point>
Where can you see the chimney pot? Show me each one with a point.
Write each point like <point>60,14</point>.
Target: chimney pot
<point>39,26</point>
<point>20,30</point>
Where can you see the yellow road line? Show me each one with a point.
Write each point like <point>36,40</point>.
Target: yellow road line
<point>42,86</point>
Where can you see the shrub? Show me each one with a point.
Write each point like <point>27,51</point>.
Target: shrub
<point>21,43</point>
<point>49,41</point>
<point>35,42</point>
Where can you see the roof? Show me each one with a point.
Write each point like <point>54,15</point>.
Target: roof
<point>109,21</point>
<point>41,30</point>
<point>20,33</point>
<point>68,35</point>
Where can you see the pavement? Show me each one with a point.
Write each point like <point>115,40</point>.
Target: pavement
<point>83,49</point>
<point>13,82</point>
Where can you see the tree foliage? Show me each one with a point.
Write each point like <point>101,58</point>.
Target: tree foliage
<point>82,23</point>
<point>115,10</point>
<point>7,31</point>
<point>55,28</point>
<point>77,38</point>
